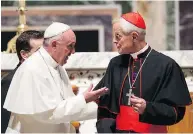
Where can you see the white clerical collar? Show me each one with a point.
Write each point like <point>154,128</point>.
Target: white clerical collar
<point>48,59</point>
<point>134,55</point>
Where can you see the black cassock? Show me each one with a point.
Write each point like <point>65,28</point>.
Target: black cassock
<point>160,82</point>
<point>5,83</point>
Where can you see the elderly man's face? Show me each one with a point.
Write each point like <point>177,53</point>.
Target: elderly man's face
<point>116,28</point>
<point>124,43</point>
<point>66,47</point>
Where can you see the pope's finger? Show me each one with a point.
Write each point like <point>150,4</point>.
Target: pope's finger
<point>101,91</point>
<point>90,88</point>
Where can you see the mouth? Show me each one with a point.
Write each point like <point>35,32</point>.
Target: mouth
<point>118,48</point>
<point>67,57</point>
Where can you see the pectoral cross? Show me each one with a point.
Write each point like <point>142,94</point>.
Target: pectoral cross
<point>129,96</point>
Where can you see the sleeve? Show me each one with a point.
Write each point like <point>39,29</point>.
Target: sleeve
<point>169,105</point>
<point>106,78</point>
<point>89,112</point>
<point>72,109</point>
<point>104,82</point>
<point>162,114</point>
<point>100,84</point>
<point>106,126</point>
<point>105,119</point>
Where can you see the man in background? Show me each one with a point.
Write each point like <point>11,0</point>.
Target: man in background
<point>26,44</point>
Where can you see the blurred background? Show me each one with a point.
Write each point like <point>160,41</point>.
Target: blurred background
<point>169,23</point>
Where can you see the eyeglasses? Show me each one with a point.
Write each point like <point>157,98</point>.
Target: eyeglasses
<point>118,37</point>
<point>71,47</point>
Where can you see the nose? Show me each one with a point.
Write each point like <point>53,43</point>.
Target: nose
<point>73,51</point>
<point>117,45</point>
<point>115,42</point>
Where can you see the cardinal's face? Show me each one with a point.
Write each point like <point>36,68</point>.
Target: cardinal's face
<point>125,44</point>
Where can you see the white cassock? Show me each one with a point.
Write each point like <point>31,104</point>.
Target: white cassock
<point>41,99</point>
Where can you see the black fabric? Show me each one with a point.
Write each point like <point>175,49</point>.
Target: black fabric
<point>161,83</point>
<point>5,83</point>
<point>106,126</point>
<point>107,113</point>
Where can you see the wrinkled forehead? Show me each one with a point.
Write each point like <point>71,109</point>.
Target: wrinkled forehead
<point>69,35</point>
<point>117,27</point>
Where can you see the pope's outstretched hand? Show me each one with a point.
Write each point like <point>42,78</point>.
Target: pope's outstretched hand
<point>90,95</point>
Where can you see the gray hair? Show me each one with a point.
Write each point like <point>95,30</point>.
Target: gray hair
<point>115,20</point>
<point>128,28</point>
<point>47,41</point>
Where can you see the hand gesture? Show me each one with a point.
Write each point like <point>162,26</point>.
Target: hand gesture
<point>90,95</point>
<point>138,104</point>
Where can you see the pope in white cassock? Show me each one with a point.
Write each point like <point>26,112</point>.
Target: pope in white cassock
<point>40,96</point>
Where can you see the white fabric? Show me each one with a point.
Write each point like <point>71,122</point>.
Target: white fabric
<point>134,55</point>
<point>55,28</point>
<point>128,27</point>
<point>36,99</point>
<point>88,127</point>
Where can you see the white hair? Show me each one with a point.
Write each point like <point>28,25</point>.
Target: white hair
<point>115,20</point>
<point>47,41</point>
<point>128,27</point>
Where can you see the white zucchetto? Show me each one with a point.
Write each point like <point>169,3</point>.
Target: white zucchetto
<point>55,29</point>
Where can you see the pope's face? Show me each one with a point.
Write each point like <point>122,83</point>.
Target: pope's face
<point>66,47</point>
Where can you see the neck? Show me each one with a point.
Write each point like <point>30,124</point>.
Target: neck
<point>142,48</point>
<point>51,52</point>
<point>139,46</point>
<point>21,61</point>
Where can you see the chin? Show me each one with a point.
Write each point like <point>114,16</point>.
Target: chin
<point>62,63</point>
<point>65,62</point>
<point>121,52</point>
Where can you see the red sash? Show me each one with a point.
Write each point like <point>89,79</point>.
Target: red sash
<point>128,119</point>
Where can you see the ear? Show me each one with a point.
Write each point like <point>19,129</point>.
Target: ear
<point>54,44</point>
<point>24,54</point>
<point>135,35</point>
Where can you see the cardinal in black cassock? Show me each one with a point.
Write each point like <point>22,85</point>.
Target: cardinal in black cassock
<point>147,90</point>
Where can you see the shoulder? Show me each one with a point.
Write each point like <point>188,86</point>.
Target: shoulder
<point>32,63</point>
<point>30,66</point>
<point>164,60</point>
<point>120,59</point>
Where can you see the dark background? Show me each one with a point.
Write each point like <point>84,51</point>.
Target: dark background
<point>86,41</point>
